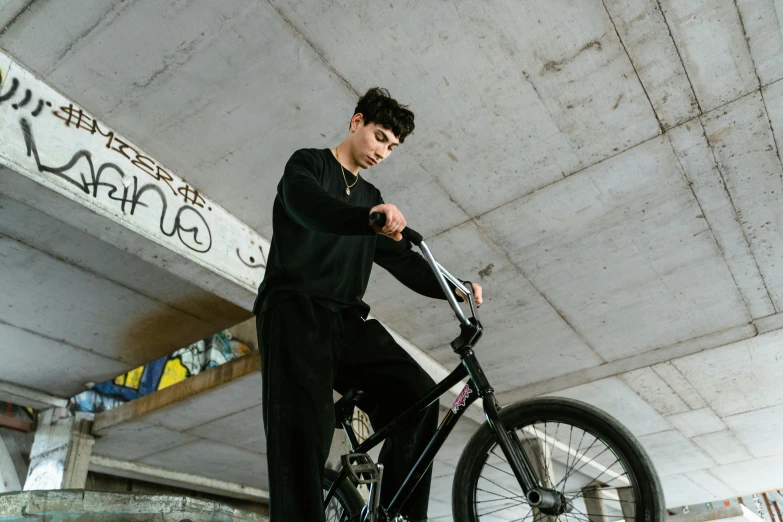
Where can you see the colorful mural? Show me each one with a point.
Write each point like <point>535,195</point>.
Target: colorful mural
<point>161,373</point>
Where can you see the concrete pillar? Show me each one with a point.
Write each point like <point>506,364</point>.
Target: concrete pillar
<point>594,502</point>
<point>14,442</point>
<point>339,448</point>
<point>627,503</point>
<point>9,479</point>
<point>540,456</point>
<point>60,456</point>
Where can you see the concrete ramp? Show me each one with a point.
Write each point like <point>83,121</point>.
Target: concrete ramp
<point>93,506</point>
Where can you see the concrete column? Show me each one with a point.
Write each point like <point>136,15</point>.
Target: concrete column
<point>627,503</point>
<point>60,456</point>
<point>339,448</point>
<point>594,502</point>
<point>540,456</point>
<point>9,480</point>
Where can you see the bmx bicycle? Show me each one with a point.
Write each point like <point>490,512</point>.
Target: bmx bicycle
<point>547,458</point>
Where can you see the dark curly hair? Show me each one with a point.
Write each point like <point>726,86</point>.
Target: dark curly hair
<point>377,106</point>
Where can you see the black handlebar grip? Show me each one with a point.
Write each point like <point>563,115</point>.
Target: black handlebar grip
<point>379,219</point>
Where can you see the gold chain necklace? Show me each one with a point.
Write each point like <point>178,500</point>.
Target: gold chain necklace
<point>347,186</point>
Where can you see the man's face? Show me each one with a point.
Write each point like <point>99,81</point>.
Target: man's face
<point>371,143</point>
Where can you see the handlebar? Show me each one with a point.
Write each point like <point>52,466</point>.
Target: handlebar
<point>379,219</point>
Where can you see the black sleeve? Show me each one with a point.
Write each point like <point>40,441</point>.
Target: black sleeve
<point>408,267</point>
<point>309,205</point>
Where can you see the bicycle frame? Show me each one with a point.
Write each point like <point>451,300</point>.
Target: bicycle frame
<point>477,386</point>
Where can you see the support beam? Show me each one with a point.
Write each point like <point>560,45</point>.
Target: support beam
<point>74,167</point>
<point>16,424</point>
<point>172,396</point>
<point>133,470</point>
<point>23,396</point>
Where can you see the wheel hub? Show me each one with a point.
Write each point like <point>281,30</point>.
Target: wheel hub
<point>549,502</point>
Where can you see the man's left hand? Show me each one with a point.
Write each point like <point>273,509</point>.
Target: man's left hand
<point>476,294</point>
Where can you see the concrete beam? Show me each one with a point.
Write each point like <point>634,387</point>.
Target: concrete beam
<point>23,396</point>
<point>713,50</point>
<point>744,147</point>
<point>173,395</point>
<point>102,184</point>
<point>134,470</point>
<point>645,36</point>
<point>661,355</point>
<point>699,165</point>
<point>16,424</point>
<point>761,23</point>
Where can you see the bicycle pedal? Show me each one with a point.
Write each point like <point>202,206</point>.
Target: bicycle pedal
<point>360,468</point>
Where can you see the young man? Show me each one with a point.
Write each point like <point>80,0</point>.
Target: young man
<point>312,329</point>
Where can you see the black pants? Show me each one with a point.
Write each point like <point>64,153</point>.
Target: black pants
<point>306,351</point>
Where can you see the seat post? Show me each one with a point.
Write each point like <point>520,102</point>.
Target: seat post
<point>348,429</point>
<point>343,412</point>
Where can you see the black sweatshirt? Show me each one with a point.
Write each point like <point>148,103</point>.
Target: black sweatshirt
<point>322,244</point>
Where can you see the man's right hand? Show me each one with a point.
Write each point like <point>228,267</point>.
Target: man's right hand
<point>395,222</point>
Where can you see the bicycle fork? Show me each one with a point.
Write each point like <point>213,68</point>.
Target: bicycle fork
<point>548,501</point>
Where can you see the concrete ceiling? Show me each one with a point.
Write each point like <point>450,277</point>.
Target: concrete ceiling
<point>610,171</point>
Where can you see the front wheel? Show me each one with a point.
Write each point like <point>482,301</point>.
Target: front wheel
<point>598,468</point>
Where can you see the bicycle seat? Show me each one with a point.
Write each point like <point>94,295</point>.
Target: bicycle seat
<point>343,409</point>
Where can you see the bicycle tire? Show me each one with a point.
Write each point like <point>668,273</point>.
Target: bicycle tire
<point>346,498</point>
<point>649,503</point>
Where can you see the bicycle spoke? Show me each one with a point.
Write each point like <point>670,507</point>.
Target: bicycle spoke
<point>504,471</point>
<point>578,456</point>
<point>501,457</point>
<point>578,511</point>
<point>604,471</point>
<point>498,510</point>
<point>604,515</point>
<point>524,518</point>
<point>498,495</point>
<point>581,518</point>
<point>498,485</point>
<point>570,434</point>
<point>591,460</point>
<point>548,464</point>
<point>604,498</point>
